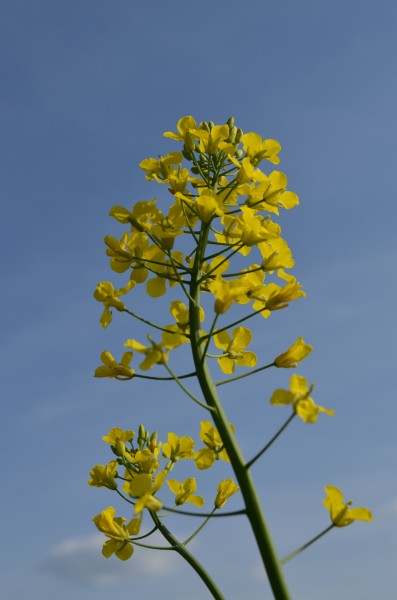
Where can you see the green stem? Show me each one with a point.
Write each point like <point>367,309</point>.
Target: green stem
<point>209,336</point>
<point>302,548</point>
<point>203,524</point>
<point>164,378</point>
<point>253,314</point>
<point>190,513</point>
<point>279,432</point>
<point>192,396</point>
<point>150,323</point>
<point>193,562</point>
<point>243,475</point>
<point>244,375</point>
<point>226,258</point>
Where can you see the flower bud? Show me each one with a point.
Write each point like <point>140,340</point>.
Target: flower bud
<point>187,153</point>
<point>142,436</point>
<point>232,135</point>
<point>230,122</point>
<point>239,135</point>
<point>189,142</point>
<point>204,125</point>
<point>120,448</point>
<point>153,441</point>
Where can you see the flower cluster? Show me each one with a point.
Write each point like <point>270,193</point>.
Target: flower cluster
<point>146,463</point>
<point>217,242</point>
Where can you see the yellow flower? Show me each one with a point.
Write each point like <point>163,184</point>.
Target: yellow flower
<point>106,293</point>
<point>178,180</point>
<point>111,368</point>
<point>207,205</point>
<point>159,169</point>
<point>340,511</point>
<point>119,534</point>
<point>144,461</point>
<point>226,488</point>
<point>103,475</point>
<point>184,492</point>
<point>143,487</point>
<point>269,193</point>
<point>258,149</point>
<point>297,352</point>
<point>178,448</point>
<point>274,297</point>
<point>214,140</point>
<point>154,354</point>
<point>156,287</point>
<point>248,229</point>
<point>184,126</point>
<point>299,397</point>
<point>116,434</point>
<point>205,458</point>
<point>178,333</point>
<point>233,348</point>
<point>276,254</point>
<point>226,292</point>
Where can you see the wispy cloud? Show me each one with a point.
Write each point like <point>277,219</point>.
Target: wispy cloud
<point>79,559</point>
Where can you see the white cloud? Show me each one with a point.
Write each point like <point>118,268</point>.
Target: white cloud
<point>80,559</point>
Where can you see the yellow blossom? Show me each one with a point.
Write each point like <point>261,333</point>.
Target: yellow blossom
<point>154,354</point>
<point>258,149</point>
<point>111,368</point>
<point>116,434</point>
<point>226,488</point>
<point>106,294</point>
<point>269,193</point>
<point>144,461</point>
<point>299,397</point>
<point>214,140</point>
<point>178,448</point>
<point>184,126</point>
<point>103,475</point>
<point>226,292</point>
<point>159,169</point>
<point>214,450</point>
<point>156,287</point>
<point>340,511</point>
<point>185,492</point>
<point>272,296</point>
<point>119,534</point>
<point>207,205</point>
<point>143,487</point>
<point>178,179</point>
<point>297,352</point>
<point>233,348</point>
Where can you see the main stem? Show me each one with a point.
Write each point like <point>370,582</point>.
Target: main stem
<point>243,475</point>
<point>193,562</point>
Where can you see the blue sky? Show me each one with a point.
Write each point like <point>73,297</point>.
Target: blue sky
<point>87,88</point>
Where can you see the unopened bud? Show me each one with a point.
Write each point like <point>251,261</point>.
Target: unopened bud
<point>205,126</point>
<point>189,142</point>
<point>187,154</point>
<point>120,448</point>
<point>141,436</point>
<point>153,441</point>
<point>230,122</point>
<point>211,124</point>
<point>239,135</point>
<point>232,134</point>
